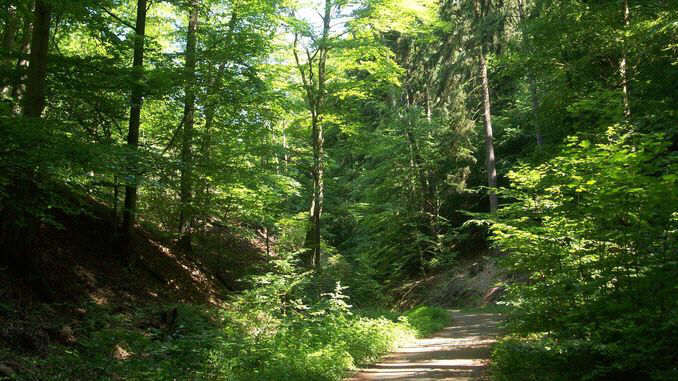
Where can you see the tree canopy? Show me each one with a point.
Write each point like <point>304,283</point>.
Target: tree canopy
<point>372,142</point>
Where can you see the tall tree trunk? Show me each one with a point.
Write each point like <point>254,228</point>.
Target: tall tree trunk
<point>34,102</point>
<point>535,106</point>
<point>623,65</point>
<point>318,188</point>
<point>8,45</point>
<point>286,157</point>
<point>137,97</point>
<point>16,238</point>
<point>430,200</point>
<point>489,143</point>
<point>319,140</point>
<point>186,212</point>
<point>19,80</point>
<point>315,99</point>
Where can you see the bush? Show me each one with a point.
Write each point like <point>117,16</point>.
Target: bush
<point>592,233</point>
<point>427,320</point>
<point>261,335</point>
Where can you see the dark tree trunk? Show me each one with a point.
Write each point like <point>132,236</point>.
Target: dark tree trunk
<point>19,79</point>
<point>34,101</point>
<point>319,143</point>
<point>186,212</point>
<point>8,45</point>
<point>315,99</point>
<point>130,207</point>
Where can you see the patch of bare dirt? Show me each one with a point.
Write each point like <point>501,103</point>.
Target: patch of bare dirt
<point>471,283</point>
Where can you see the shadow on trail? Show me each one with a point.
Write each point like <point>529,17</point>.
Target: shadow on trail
<point>459,352</point>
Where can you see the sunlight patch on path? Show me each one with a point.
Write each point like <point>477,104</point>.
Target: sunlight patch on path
<point>459,352</point>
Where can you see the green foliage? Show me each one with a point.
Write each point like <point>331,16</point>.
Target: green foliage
<point>593,233</point>
<point>427,320</point>
<point>589,217</point>
<point>263,335</point>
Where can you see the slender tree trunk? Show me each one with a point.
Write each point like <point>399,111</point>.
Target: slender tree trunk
<point>623,68</point>
<point>318,188</point>
<point>315,99</point>
<point>319,140</point>
<point>16,239</point>
<point>535,106</point>
<point>8,45</point>
<point>313,236</point>
<point>19,80</point>
<point>286,157</point>
<point>10,33</point>
<point>430,190</point>
<point>186,213</point>
<point>130,207</point>
<point>34,102</point>
<point>268,243</point>
<point>489,143</point>
<point>427,99</point>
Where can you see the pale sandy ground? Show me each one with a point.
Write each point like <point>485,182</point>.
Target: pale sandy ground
<point>459,352</point>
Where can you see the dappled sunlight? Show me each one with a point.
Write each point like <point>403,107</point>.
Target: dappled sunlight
<point>458,352</point>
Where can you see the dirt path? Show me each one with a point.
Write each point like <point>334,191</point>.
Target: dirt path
<point>459,352</point>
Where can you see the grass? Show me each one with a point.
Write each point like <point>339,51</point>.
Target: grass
<point>488,309</point>
<point>427,320</point>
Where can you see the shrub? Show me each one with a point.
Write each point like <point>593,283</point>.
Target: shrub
<point>592,233</point>
<point>427,320</point>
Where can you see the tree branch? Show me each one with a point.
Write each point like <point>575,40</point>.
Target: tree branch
<point>123,22</point>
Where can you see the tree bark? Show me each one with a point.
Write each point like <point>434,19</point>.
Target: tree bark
<point>34,101</point>
<point>8,45</point>
<point>130,207</point>
<point>186,212</point>
<point>318,189</point>
<point>623,68</point>
<point>19,80</point>
<point>315,98</point>
<point>489,141</point>
<point>319,139</point>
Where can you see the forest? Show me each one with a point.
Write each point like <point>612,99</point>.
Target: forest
<point>291,189</point>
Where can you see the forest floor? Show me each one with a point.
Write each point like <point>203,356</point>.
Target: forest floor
<point>459,352</point>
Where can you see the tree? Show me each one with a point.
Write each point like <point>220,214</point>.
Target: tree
<point>8,43</point>
<point>137,95</point>
<point>18,81</point>
<point>623,64</point>
<point>185,219</point>
<point>36,82</point>
<point>314,76</point>
<point>481,9</point>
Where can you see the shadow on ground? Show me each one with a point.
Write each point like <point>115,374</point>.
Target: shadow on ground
<point>459,352</point>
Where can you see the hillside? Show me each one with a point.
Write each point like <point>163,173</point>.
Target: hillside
<point>75,275</point>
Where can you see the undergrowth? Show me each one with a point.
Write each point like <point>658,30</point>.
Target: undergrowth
<point>427,320</point>
<point>264,334</point>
